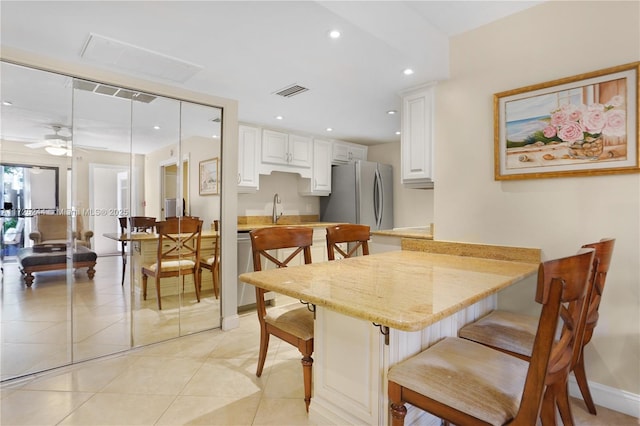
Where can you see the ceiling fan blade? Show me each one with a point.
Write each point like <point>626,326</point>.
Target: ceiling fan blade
<point>38,144</point>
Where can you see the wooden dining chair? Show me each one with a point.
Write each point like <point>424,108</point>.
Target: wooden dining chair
<point>356,235</point>
<point>136,224</point>
<point>293,323</point>
<point>212,263</point>
<point>178,254</point>
<point>465,383</point>
<point>513,333</point>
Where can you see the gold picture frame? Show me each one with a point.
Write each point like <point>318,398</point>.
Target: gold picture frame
<point>208,177</point>
<point>583,125</point>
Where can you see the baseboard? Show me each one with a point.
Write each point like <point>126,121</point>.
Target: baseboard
<point>608,397</point>
<point>230,322</point>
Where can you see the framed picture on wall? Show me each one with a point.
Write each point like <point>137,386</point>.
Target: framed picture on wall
<point>576,126</point>
<point>209,177</point>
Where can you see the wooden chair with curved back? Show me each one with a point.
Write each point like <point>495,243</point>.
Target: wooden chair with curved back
<point>292,323</point>
<point>213,263</point>
<point>464,382</point>
<point>136,224</point>
<point>513,333</point>
<point>178,253</point>
<point>357,235</point>
<point>604,250</point>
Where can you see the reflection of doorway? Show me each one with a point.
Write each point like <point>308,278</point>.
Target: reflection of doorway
<point>104,184</point>
<point>25,191</point>
<point>174,202</point>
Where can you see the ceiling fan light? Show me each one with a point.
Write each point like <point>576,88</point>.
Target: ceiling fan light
<point>56,150</point>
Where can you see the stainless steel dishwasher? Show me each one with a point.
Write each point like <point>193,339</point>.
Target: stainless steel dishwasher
<point>246,292</point>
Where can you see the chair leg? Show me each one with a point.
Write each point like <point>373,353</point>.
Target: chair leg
<point>216,281</point>
<point>397,410</point>
<point>196,284</point>
<point>158,293</point>
<point>562,400</point>
<point>548,411</point>
<point>264,345</point>
<point>144,287</point>
<point>124,266</point>
<point>307,365</point>
<point>581,378</point>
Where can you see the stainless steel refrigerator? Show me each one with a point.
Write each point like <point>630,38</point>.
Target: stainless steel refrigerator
<point>361,192</point>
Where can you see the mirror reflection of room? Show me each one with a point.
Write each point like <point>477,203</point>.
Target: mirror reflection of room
<point>76,156</point>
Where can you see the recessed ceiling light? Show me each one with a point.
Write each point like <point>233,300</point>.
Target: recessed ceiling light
<point>398,132</point>
<point>215,136</point>
<point>7,103</point>
<point>392,112</point>
<point>407,71</point>
<point>329,129</point>
<point>156,127</point>
<point>334,34</point>
<point>279,117</point>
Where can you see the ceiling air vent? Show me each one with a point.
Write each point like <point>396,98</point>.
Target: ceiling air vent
<point>104,89</point>
<point>291,90</point>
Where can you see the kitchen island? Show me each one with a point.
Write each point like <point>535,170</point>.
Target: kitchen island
<point>374,311</point>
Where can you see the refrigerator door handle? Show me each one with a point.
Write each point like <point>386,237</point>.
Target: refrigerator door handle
<point>378,201</point>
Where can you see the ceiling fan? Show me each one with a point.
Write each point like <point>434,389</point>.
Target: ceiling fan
<point>55,143</point>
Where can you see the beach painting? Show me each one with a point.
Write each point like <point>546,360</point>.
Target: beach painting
<point>581,125</point>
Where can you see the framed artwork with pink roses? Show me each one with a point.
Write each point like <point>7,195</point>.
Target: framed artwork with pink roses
<point>583,125</point>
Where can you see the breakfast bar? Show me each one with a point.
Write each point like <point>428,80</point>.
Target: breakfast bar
<point>374,311</point>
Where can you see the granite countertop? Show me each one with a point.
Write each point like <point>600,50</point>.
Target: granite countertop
<point>424,233</point>
<point>139,236</point>
<point>406,290</point>
<point>249,223</point>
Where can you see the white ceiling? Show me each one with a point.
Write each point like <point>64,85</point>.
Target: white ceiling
<point>249,50</point>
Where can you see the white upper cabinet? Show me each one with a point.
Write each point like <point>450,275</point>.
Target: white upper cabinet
<point>286,149</point>
<point>417,137</point>
<point>344,152</point>
<point>320,183</point>
<point>248,158</point>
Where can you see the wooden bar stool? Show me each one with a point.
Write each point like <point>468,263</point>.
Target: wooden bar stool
<point>466,383</point>
<point>513,333</point>
<point>293,323</point>
<point>358,235</point>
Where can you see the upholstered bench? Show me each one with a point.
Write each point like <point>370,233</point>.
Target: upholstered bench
<point>53,257</point>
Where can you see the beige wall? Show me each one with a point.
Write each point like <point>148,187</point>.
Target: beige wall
<point>550,41</point>
<point>286,186</point>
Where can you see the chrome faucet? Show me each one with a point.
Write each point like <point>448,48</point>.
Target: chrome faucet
<point>274,215</point>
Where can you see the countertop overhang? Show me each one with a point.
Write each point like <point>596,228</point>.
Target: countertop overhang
<point>406,290</point>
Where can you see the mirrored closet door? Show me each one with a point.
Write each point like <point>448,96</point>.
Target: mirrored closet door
<point>90,157</point>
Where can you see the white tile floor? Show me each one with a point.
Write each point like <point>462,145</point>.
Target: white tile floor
<point>35,322</point>
<point>206,378</point>
<point>203,379</point>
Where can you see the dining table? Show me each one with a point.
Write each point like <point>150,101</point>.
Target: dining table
<point>143,249</point>
<point>377,310</point>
